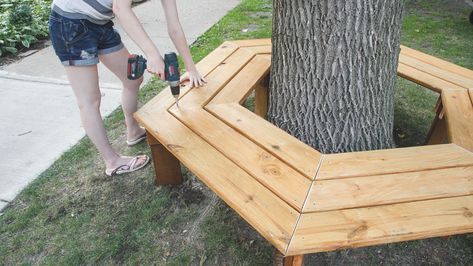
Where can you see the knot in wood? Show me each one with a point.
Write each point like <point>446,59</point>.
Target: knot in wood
<point>358,231</point>
<point>272,169</point>
<point>467,213</point>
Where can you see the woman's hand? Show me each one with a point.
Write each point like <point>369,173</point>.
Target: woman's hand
<point>156,66</point>
<point>194,78</point>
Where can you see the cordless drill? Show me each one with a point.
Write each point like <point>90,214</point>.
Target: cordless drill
<point>172,75</point>
<point>137,66</point>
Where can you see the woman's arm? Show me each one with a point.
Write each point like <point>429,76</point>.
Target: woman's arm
<point>179,39</point>
<point>132,26</point>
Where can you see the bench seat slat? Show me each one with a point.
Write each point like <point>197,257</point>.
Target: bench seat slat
<point>425,79</point>
<point>332,230</point>
<point>268,214</point>
<point>467,73</point>
<point>459,117</point>
<point>238,89</point>
<point>217,79</point>
<point>388,189</point>
<point>391,161</point>
<point>205,66</point>
<point>286,147</point>
<point>444,74</point>
<point>283,180</point>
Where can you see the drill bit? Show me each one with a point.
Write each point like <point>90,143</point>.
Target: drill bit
<point>176,97</point>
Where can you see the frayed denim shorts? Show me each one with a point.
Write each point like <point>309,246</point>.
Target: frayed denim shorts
<point>79,42</point>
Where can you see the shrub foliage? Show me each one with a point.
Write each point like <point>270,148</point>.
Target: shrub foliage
<point>22,23</point>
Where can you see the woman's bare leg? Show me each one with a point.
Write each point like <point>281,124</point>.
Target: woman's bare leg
<point>117,63</point>
<point>84,82</point>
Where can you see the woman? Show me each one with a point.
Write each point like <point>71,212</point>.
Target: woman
<point>82,35</point>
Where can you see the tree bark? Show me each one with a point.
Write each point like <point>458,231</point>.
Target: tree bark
<point>333,72</point>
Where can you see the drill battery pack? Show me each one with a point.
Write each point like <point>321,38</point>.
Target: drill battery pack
<point>136,66</point>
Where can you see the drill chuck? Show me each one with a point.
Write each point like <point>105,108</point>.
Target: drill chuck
<point>175,87</point>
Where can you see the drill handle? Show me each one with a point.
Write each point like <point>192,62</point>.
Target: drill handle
<point>171,67</point>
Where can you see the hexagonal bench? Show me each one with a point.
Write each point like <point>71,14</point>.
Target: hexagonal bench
<point>303,201</point>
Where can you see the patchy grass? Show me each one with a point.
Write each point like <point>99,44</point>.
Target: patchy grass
<point>73,214</point>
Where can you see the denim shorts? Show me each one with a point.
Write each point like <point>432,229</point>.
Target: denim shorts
<point>79,42</point>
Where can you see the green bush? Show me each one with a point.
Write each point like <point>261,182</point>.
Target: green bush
<point>22,22</point>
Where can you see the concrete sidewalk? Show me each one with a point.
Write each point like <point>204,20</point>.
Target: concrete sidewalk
<point>40,119</point>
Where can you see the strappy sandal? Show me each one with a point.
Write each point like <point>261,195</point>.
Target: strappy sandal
<point>131,166</point>
<point>133,142</point>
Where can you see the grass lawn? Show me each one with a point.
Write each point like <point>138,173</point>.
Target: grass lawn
<point>72,214</point>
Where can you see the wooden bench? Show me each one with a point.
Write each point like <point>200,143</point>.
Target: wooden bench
<point>303,201</point>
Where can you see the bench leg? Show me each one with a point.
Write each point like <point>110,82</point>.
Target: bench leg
<point>438,131</point>
<point>280,260</point>
<point>167,167</point>
<point>294,260</point>
<point>262,97</point>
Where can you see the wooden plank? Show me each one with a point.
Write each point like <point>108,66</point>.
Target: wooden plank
<point>437,62</point>
<point>389,161</point>
<point>252,42</point>
<point>205,66</point>
<point>327,231</point>
<point>217,79</point>
<point>387,189</point>
<point>294,261</point>
<point>268,214</point>
<point>459,112</point>
<point>444,74</point>
<point>281,179</point>
<point>238,89</point>
<point>424,79</point>
<point>284,146</point>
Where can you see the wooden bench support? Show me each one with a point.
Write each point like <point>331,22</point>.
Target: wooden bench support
<point>167,167</point>
<point>294,260</point>
<point>261,98</point>
<point>280,260</point>
<point>438,130</point>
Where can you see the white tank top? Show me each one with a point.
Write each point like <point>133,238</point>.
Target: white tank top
<point>96,11</point>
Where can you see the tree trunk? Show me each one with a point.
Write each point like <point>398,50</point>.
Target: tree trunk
<point>334,70</point>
